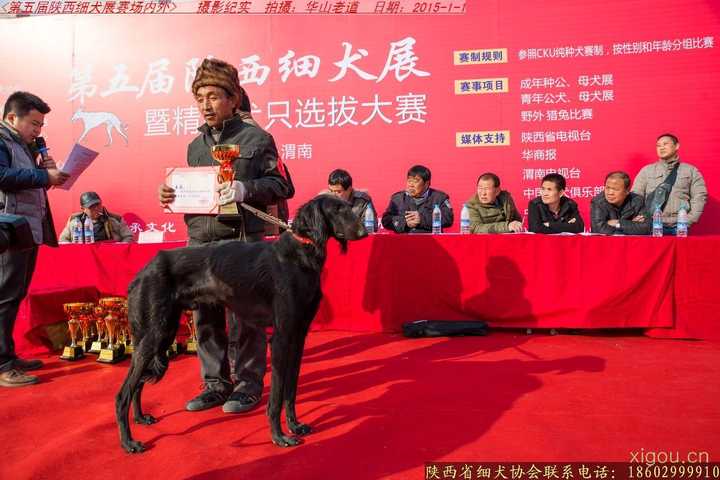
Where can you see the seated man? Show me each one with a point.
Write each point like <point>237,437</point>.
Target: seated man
<point>410,211</point>
<point>617,209</point>
<point>552,211</point>
<point>106,225</point>
<point>671,184</point>
<point>492,210</point>
<point>340,184</point>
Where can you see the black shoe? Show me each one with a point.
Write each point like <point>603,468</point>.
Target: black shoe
<point>239,402</point>
<point>207,399</point>
<point>27,365</point>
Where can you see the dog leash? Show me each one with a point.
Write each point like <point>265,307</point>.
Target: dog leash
<point>276,221</point>
<point>265,216</point>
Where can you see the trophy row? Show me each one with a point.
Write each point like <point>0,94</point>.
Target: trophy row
<point>103,329</point>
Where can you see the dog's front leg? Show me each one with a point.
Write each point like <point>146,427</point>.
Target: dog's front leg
<point>279,359</point>
<point>296,352</point>
<point>295,357</point>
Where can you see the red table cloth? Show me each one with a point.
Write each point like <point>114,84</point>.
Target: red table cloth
<point>665,285</point>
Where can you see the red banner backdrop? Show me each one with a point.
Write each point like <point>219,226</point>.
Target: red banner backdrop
<point>518,88</point>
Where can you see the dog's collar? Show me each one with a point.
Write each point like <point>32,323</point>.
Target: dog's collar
<point>303,240</point>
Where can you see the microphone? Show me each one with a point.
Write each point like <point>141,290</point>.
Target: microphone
<point>42,147</point>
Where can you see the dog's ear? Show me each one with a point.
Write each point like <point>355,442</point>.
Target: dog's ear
<point>311,223</point>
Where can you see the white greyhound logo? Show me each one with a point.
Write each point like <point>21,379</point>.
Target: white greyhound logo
<point>95,119</point>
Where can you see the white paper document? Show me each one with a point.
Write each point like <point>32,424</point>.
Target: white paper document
<point>79,159</point>
<point>156,236</point>
<point>195,189</point>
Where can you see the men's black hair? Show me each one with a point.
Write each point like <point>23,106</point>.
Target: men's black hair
<point>620,175</point>
<point>340,177</point>
<point>490,176</point>
<point>420,171</point>
<point>670,136</point>
<point>555,178</point>
<point>21,103</point>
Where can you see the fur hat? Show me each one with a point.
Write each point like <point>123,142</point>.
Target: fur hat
<point>217,73</point>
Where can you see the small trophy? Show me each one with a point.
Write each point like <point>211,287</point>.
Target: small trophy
<point>101,341</point>
<point>86,318</point>
<point>127,334</point>
<point>73,351</point>
<point>114,351</point>
<point>191,346</point>
<point>173,349</point>
<point>224,154</point>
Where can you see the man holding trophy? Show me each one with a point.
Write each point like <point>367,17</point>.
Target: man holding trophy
<point>251,173</point>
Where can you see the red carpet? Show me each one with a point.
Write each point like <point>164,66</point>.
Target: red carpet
<point>381,406</point>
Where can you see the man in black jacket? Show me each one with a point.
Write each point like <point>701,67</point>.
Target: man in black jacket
<point>552,211</point>
<point>410,211</point>
<point>617,209</point>
<point>259,181</point>
<point>22,192</point>
<point>340,185</point>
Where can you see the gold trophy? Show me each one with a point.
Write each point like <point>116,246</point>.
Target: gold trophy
<point>224,154</point>
<point>173,349</point>
<point>115,351</point>
<point>191,346</point>
<point>73,311</point>
<point>127,334</point>
<point>101,341</point>
<point>85,318</point>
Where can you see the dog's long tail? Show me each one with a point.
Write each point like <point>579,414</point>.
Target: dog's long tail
<point>156,368</point>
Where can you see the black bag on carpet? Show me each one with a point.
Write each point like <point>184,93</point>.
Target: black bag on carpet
<point>443,328</point>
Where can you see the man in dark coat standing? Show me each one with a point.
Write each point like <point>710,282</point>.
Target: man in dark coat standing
<point>259,180</point>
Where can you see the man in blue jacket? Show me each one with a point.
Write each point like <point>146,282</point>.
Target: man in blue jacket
<point>22,192</point>
<point>410,211</point>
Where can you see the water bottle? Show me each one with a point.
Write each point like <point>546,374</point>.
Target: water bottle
<point>369,219</point>
<point>76,230</point>
<point>682,222</point>
<point>88,230</point>
<point>436,220</point>
<point>465,219</point>
<point>657,224</point>
<point>381,229</point>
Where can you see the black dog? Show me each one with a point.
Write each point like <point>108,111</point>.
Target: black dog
<point>279,280</point>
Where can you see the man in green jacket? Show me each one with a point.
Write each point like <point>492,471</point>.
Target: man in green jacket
<point>492,210</point>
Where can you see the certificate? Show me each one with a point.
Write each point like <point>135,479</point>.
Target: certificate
<point>195,189</point>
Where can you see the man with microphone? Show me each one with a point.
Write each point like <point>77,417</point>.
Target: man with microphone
<point>23,185</point>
